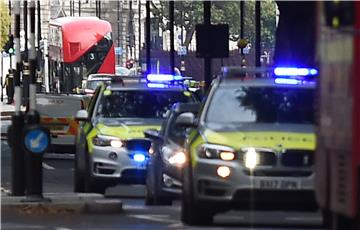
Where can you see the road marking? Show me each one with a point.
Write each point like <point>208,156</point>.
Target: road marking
<point>59,156</point>
<point>176,226</point>
<point>62,228</point>
<point>48,167</point>
<point>156,218</point>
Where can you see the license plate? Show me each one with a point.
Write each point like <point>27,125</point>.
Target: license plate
<point>279,184</point>
<point>57,128</point>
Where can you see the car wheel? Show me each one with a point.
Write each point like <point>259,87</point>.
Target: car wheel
<point>159,198</point>
<point>193,213</point>
<point>149,200</point>
<point>90,185</point>
<point>79,178</point>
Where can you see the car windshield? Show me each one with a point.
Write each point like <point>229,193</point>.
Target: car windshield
<point>92,84</point>
<point>262,105</point>
<point>139,103</point>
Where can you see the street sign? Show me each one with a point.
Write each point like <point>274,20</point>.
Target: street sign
<point>182,51</point>
<point>36,139</point>
<point>118,50</point>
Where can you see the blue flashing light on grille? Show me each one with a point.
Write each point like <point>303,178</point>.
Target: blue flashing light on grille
<point>163,77</point>
<point>157,85</point>
<point>293,71</point>
<point>139,157</point>
<point>287,81</point>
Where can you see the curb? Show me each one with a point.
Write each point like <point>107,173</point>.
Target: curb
<point>73,203</point>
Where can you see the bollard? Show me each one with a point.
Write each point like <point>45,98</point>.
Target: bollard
<point>36,141</point>
<point>17,152</point>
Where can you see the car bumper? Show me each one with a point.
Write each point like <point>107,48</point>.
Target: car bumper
<point>171,180</point>
<point>120,169</point>
<point>242,190</point>
<point>62,144</point>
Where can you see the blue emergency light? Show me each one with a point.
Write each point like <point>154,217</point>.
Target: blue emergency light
<point>294,71</point>
<point>287,81</point>
<point>163,77</point>
<point>139,157</point>
<point>157,85</point>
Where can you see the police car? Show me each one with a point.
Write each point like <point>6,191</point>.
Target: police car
<point>252,145</point>
<point>110,145</point>
<point>164,168</point>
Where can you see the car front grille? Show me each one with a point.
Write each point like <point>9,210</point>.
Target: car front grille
<point>267,157</point>
<point>297,158</point>
<point>138,145</point>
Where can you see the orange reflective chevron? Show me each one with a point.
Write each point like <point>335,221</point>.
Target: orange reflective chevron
<point>60,126</point>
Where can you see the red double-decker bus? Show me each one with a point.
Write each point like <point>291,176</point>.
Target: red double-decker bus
<point>78,46</point>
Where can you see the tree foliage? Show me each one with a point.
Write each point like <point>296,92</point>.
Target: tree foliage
<point>221,12</point>
<point>4,24</point>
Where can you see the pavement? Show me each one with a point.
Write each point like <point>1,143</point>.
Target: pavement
<point>61,203</point>
<point>7,110</point>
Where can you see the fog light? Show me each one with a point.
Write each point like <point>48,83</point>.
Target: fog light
<point>113,156</point>
<point>139,157</point>
<point>227,156</point>
<point>151,150</point>
<point>251,158</point>
<point>223,171</point>
<point>116,143</point>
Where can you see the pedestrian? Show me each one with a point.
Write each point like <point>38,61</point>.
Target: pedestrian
<point>9,84</point>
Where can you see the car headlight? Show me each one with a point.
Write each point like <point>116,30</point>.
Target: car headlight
<point>101,140</point>
<point>178,158</point>
<point>251,158</point>
<point>173,157</point>
<point>212,151</point>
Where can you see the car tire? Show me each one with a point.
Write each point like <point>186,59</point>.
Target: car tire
<point>159,198</point>
<point>149,200</point>
<point>79,178</point>
<point>192,212</point>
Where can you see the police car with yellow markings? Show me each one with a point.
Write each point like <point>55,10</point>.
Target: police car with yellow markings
<point>252,146</point>
<point>110,145</point>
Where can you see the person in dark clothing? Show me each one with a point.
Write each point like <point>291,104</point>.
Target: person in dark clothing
<point>9,84</point>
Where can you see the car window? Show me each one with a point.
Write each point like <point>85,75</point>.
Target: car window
<point>262,105</point>
<point>176,133</point>
<point>93,101</point>
<point>139,103</point>
<point>94,83</point>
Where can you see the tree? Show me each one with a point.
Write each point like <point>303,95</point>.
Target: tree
<point>4,24</point>
<point>221,12</point>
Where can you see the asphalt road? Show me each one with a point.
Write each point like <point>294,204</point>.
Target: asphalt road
<point>58,171</point>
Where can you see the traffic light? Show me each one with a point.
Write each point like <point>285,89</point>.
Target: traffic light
<point>130,63</point>
<point>9,46</point>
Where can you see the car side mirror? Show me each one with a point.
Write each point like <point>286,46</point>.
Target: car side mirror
<point>186,120</point>
<point>153,134</point>
<point>81,115</point>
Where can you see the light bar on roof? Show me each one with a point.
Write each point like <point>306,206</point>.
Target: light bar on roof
<point>163,77</point>
<point>287,81</point>
<point>160,77</point>
<point>157,85</point>
<point>294,71</point>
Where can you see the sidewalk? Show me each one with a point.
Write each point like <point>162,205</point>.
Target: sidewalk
<point>61,203</point>
<point>7,110</point>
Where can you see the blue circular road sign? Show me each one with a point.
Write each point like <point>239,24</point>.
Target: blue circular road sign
<point>36,140</point>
